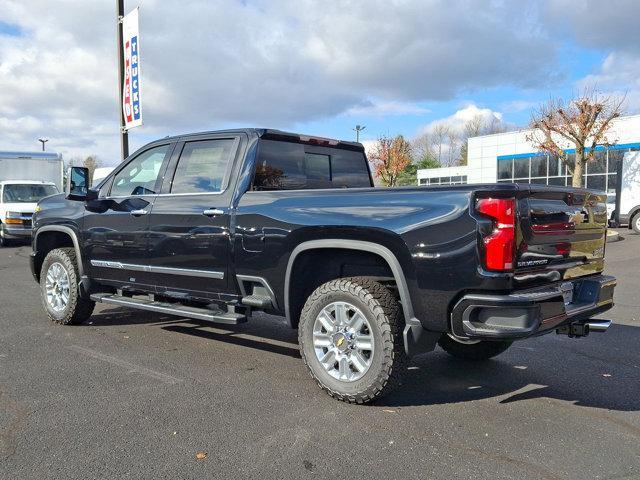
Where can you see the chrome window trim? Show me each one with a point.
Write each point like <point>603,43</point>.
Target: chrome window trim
<point>153,195</point>
<point>153,269</point>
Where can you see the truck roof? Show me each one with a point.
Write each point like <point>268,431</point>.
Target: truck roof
<point>25,182</point>
<point>274,134</point>
<point>42,155</point>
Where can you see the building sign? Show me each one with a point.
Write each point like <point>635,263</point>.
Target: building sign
<point>131,105</point>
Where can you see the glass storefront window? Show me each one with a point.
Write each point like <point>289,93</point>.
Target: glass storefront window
<point>557,181</point>
<point>521,167</point>
<point>615,157</point>
<point>505,169</point>
<point>599,165</point>
<point>597,182</point>
<point>554,166</point>
<point>539,166</point>
<point>600,174</point>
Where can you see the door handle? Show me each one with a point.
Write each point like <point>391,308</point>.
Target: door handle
<point>139,213</point>
<point>212,212</point>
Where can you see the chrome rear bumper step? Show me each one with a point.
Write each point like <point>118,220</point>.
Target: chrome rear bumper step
<point>599,325</point>
<point>228,318</point>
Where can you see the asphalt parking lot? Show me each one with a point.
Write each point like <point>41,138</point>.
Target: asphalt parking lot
<point>138,395</point>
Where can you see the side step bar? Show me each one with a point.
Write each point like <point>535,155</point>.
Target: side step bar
<point>213,316</point>
<point>257,301</point>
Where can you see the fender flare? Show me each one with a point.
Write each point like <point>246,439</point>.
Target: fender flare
<point>417,340</point>
<point>74,238</point>
<point>386,254</point>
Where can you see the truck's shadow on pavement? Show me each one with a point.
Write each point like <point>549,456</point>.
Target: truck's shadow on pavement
<point>602,370</point>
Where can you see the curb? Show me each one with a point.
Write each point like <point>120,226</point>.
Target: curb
<point>613,236</point>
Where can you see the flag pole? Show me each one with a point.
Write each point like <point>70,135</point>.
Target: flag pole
<point>124,136</point>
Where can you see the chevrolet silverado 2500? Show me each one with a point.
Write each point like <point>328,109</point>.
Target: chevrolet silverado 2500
<point>215,226</point>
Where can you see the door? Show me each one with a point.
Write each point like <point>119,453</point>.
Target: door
<point>189,222</point>
<point>116,225</point>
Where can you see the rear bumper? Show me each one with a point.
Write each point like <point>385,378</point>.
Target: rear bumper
<point>532,312</point>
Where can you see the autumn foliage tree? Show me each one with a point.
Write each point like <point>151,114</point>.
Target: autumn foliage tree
<point>582,123</point>
<point>390,157</point>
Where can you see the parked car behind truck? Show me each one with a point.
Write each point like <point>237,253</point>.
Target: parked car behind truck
<point>215,226</point>
<point>18,200</point>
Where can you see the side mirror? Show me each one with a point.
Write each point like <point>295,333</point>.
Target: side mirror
<point>78,184</point>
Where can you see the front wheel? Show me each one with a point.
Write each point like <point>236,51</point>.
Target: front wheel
<point>4,241</point>
<point>350,337</point>
<point>475,350</point>
<point>59,279</point>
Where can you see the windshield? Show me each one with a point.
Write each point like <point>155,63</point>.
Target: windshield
<point>27,193</point>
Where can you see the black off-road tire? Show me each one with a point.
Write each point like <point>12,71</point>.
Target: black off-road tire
<point>385,317</point>
<point>482,350</point>
<point>78,309</point>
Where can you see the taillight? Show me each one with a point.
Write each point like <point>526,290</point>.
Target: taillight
<point>499,245</point>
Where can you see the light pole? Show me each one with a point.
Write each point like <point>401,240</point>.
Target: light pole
<point>358,129</point>
<point>43,141</point>
<point>124,136</point>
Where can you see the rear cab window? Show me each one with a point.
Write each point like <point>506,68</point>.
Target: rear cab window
<point>282,165</point>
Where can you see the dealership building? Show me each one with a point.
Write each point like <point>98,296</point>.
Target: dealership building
<point>511,157</point>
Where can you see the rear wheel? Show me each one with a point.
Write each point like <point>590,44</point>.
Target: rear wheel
<point>635,223</point>
<point>472,349</point>
<point>350,337</point>
<point>59,280</point>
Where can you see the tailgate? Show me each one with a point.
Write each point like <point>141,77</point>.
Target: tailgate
<point>562,232</point>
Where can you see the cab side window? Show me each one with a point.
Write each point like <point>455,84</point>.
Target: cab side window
<point>203,165</point>
<point>140,175</point>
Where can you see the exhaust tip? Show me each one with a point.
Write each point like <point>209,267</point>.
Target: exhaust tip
<point>599,325</point>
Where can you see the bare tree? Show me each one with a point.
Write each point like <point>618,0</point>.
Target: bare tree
<point>475,127</point>
<point>91,163</point>
<point>391,156</point>
<point>583,123</point>
<point>422,148</point>
<point>453,140</point>
<point>438,136</point>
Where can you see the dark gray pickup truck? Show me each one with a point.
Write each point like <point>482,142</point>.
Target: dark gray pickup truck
<point>215,226</point>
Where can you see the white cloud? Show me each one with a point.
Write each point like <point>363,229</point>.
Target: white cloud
<point>518,105</point>
<point>460,118</point>
<point>618,76</point>
<point>384,109</point>
<point>600,24</point>
<point>207,64</point>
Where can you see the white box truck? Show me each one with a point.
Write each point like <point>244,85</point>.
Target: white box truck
<point>25,178</point>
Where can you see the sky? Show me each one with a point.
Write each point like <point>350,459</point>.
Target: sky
<point>320,68</point>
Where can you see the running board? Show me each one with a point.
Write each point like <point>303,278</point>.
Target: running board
<point>213,316</point>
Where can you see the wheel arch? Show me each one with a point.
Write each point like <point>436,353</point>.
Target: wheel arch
<point>360,245</point>
<point>53,235</point>
<point>632,215</point>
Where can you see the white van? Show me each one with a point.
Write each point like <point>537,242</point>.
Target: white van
<point>18,200</point>
<point>630,192</point>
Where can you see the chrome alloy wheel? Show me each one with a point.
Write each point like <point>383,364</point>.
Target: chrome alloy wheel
<point>57,287</point>
<point>343,341</point>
